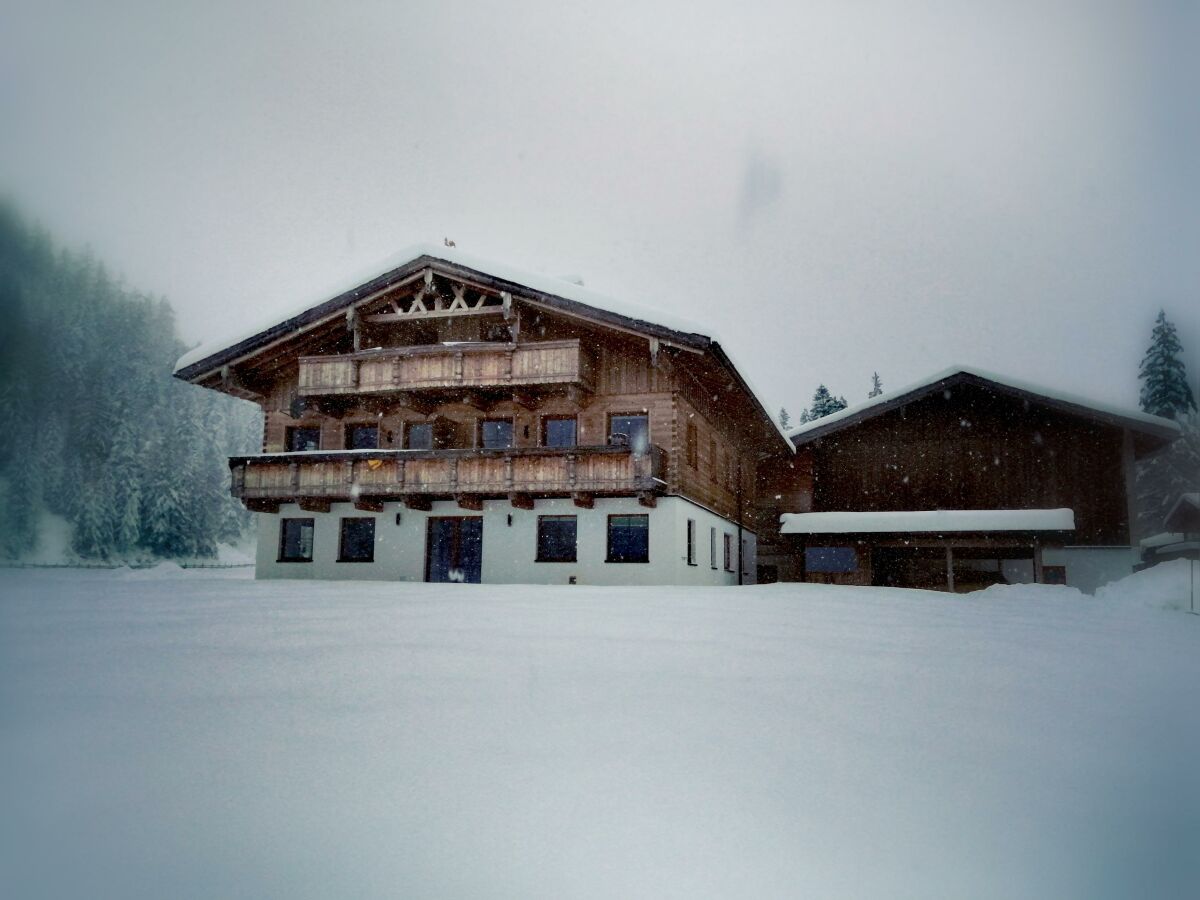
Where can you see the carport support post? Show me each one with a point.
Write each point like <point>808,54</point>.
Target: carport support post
<point>950,568</point>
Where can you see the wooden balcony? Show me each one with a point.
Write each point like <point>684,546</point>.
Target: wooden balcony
<point>446,366</point>
<point>368,478</point>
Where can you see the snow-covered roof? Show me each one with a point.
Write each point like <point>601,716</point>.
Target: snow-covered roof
<point>1183,512</point>
<point>928,520</point>
<point>325,304</point>
<point>1162,539</point>
<point>547,284</point>
<point>1135,419</point>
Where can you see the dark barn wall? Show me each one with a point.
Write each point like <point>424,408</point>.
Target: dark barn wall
<point>973,448</point>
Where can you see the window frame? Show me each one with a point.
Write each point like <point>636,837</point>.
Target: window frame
<point>350,426</point>
<point>546,420</point>
<point>691,542</point>
<point>512,432</point>
<point>728,551</point>
<point>608,530</point>
<point>538,557</point>
<point>639,414</point>
<point>712,546</point>
<point>341,557</point>
<point>283,526</point>
<point>407,440</point>
<point>832,559</point>
<point>290,431</point>
<point>692,445</point>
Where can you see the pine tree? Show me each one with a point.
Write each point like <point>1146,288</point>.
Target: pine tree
<point>1165,391</point>
<point>876,386</point>
<point>784,419</point>
<point>824,403</point>
<point>133,458</point>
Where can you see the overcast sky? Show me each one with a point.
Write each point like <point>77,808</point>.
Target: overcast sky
<point>835,188</point>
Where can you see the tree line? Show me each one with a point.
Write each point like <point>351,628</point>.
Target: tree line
<point>92,425</point>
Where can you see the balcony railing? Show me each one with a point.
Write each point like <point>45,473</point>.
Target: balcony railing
<point>441,366</point>
<point>369,477</point>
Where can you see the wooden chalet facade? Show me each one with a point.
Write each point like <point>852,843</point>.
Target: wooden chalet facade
<point>448,420</point>
<point>964,480</point>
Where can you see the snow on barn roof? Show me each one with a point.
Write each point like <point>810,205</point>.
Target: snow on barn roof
<point>563,293</point>
<point>939,521</point>
<point>1184,512</point>
<point>1071,403</point>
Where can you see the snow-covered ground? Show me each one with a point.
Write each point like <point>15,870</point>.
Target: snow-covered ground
<point>182,733</point>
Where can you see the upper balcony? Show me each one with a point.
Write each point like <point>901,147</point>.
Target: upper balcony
<point>368,478</point>
<point>447,366</point>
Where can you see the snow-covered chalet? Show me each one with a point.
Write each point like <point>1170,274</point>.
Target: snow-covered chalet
<point>446,419</point>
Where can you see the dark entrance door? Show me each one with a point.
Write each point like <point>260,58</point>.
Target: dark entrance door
<point>454,549</point>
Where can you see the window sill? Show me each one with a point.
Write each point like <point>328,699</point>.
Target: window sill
<point>627,560</point>
<point>282,560</point>
<point>572,560</point>
<point>371,560</point>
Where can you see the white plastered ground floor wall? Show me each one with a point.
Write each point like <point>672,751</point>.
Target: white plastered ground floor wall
<point>510,544</point>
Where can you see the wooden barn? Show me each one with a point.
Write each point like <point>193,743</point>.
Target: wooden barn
<point>960,481</point>
<point>447,419</point>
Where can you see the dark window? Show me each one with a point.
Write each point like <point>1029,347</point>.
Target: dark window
<point>712,459</point>
<point>357,543</point>
<point>558,431</point>
<point>295,540</point>
<point>628,539</point>
<point>496,434</point>
<point>712,547</point>
<point>691,538</point>
<point>630,431</point>
<point>362,437</point>
<point>1054,574</point>
<point>556,539</point>
<point>418,436</point>
<point>831,560</point>
<point>303,439</point>
<point>692,448</point>
<point>728,553</point>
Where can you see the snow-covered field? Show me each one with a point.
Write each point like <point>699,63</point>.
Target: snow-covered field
<point>171,733</point>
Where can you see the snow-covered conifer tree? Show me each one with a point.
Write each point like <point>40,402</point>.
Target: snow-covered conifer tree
<point>1165,388</point>
<point>824,403</point>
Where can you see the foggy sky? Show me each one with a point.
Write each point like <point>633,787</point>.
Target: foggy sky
<point>835,188</point>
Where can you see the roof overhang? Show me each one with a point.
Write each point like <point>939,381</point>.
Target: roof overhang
<point>928,521</point>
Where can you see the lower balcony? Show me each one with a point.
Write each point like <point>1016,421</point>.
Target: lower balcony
<point>369,478</point>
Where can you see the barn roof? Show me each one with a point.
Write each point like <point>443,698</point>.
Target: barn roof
<point>555,294</point>
<point>1156,427</point>
<point>1185,513</point>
